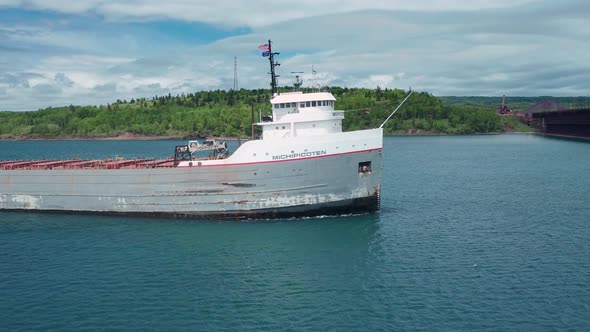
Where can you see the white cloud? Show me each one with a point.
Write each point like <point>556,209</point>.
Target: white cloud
<point>10,3</point>
<point>448,51</point>
<point>254,13</point>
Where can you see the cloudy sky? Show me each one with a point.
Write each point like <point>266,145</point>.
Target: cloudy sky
<point>61,52</point>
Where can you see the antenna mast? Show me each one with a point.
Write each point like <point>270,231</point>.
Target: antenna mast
<point>236,73</point>
<point>315,84</point>
<point>273,64</point>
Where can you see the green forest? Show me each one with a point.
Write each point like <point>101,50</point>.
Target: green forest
<point>228,113</point>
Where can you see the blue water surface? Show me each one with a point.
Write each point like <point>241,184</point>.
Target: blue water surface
<point>475,233</point>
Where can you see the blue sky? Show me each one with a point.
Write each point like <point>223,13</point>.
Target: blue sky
<point>59,52</point>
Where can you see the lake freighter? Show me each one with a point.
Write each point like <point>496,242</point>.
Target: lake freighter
<point>303,165</point>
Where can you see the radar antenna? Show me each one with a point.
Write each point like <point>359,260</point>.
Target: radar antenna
<point>298,82</point>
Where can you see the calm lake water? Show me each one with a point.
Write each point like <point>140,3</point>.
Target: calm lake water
<point>475,233</point>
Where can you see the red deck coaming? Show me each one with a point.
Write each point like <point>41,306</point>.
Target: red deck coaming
<point>85,164</point>
<point>4,162</point>
<point>132,163</point>
<point>20,164</point>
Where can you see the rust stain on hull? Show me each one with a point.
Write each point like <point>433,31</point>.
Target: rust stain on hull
<point>355,206</point>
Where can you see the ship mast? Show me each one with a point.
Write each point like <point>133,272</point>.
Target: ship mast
<point>273,64</point>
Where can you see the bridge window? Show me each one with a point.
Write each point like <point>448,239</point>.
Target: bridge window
<point>307,104</point>
<point>313,103</point>
<point>276,105</point>
<point>282,105</point>
<point>301,105</point>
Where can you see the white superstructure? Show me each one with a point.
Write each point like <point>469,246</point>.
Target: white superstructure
<point>303,125</point>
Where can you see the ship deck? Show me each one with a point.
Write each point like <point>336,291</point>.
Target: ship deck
<point>85,164</point>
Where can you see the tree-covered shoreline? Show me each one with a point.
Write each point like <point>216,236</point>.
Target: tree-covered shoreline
<point>228,113</point>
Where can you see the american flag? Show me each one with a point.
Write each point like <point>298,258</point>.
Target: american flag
<point>263,47</point>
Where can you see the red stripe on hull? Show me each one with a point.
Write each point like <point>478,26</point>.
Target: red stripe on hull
<point>284,160</point>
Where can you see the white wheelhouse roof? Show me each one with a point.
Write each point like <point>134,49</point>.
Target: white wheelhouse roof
<point>290,97</point>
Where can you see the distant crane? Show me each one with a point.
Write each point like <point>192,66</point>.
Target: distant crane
<point>503,107</point>
<point>298,82</point>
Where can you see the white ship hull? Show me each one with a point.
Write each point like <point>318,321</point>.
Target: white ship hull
<point>300,176</point>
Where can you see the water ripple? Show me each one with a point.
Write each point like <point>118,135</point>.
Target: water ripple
<point>470,237</point>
